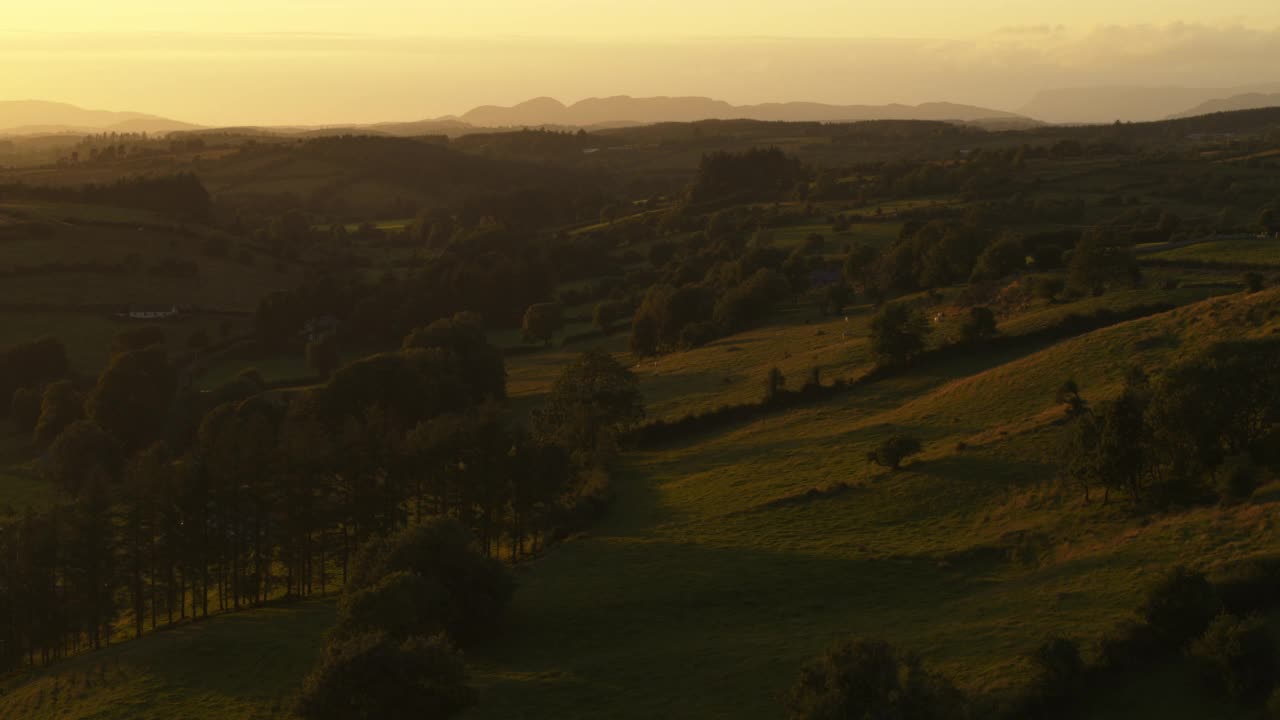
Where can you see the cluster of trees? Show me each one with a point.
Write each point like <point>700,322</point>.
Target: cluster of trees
<point>499,283</point>
<point>1198,429</point>
<point>758,173</point>
<point>411,599</point>
<point>173,506</point>
<point>181,196</point>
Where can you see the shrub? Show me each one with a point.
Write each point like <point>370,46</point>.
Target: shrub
<point>1254,282</point>
<point>1057,672</point>
<point>980,325</point>
<point>893,451</point>
<point>1237,657</point>
<point>1235,479</point>
<point>1180,606</point>
<point>1048,288</point>
<point>870,679</point>
<point>371,677</point>
<point>401,605</point>
<point>897,334</point>
<point>475,588</point>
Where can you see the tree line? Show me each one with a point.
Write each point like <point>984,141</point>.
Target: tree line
<point>171,505</point>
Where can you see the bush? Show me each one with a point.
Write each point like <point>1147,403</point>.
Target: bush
<point>1254,282</point>
<point>371,677</point>
<point>401,605</point>
<point>1235,479</point>
<point>870,679</point>
<point>897,334</point>
<point>1048,288</point>
<point>1180,606</point>
<point>893,451</point>
<point>980,325</point>
<point>476,589</point>
<point>1273,705</point>
<point>1057,672</point>
<point>1237,657</point>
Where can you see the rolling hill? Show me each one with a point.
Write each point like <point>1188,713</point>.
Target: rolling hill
<point>1126,103</point>
<point>1246,101</point>
<point>37,117</point>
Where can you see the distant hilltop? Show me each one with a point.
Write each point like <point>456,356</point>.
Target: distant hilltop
<point>1136,103</point>
<point>31,117</point>
<point>625,109</point>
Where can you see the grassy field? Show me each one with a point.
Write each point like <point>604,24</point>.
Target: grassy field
<point>729,559</point>
<point>716,575</point>
<point>196,671</point>
<point>1257,251</point>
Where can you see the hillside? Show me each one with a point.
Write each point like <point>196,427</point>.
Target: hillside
<point>34,117</point>
<point>1128,103</point>
<point>721,568</point>
<point>1246,101</point>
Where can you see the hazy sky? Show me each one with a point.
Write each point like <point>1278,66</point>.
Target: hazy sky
<point>324,61</point>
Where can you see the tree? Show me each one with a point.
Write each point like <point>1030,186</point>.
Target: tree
<point>1069,394</point>
<point>774,384</point>
<point>1237,657</point>
<point>893,451</point>
<point>83,455</point>
<point>465,591</point>
<point>133,397</point>
<point>542,321</point>
<point>862,679</point>
<point>980,326</point>
<point>1254,282</point>
<point>897,334</point>
<point>1180,606</point>
<point>61,405</point>
<point>463,337</point>
<point>372,677</point>
<point>859,264</point>
<point>1058,671</point>
<point>322,355</point>
<point>835,298</point>
<point>593,402</point>
<point>999,259</point>
<point>1098,261</point>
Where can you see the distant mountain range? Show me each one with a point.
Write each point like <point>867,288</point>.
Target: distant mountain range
<point>36,117</point>
<point>625,109</point>
<point>1066,105</point>
<point>1130,103</point>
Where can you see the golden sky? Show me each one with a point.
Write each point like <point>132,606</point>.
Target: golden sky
<point>592,19</point>
<point>330,61</point>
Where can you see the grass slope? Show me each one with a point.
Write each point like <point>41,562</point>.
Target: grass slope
<point>728,561</point>
<point>716,575</point>
<point>246,665</point>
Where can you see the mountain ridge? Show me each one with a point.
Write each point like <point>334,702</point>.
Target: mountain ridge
<point>625,108</point>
